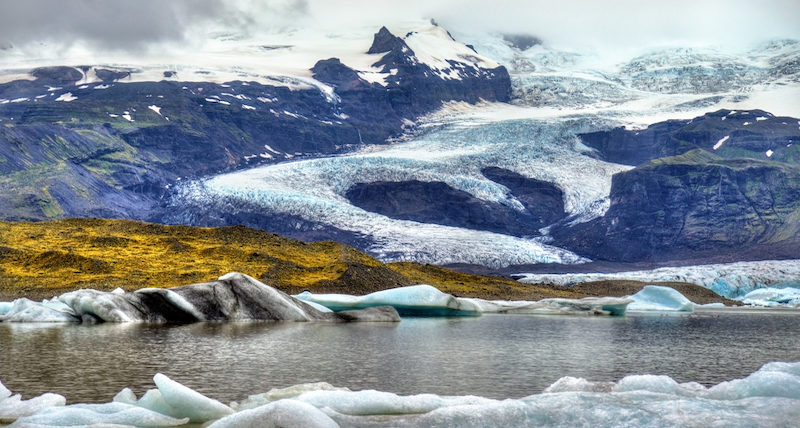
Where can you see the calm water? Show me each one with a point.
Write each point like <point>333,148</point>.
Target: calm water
<point>495,356</point>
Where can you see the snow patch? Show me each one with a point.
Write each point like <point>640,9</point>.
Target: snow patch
<point>721,142</point>
<point>156,109</point>
<point>66,97</point>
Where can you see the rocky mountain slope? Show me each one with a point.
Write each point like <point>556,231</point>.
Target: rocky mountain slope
<point>94,141</point>
<point>724,186</point>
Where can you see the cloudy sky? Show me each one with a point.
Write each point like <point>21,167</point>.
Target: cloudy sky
<point>572,24</point>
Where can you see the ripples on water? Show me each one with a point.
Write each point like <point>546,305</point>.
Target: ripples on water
<point>497,356</point>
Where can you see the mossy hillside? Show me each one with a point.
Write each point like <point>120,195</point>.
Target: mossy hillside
<point>47,258</point>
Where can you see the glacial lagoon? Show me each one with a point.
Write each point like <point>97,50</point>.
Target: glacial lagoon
<point>493,356</point>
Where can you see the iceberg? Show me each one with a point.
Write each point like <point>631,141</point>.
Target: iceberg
<point>658,298</point>
<point>426,300</point>
<point>769,396</point>
<point>770,296</point>
<point>412,300</point>
<point>233,297</point>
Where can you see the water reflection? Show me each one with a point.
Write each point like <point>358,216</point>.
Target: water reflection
<point>493,356</point>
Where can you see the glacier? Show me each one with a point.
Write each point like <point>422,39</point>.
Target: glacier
<point>731,280</point>
<point>770,396</point>
<point>556,96</point>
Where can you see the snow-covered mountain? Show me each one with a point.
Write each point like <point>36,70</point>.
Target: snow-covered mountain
<point>408,143</point>
<point>558,97</point>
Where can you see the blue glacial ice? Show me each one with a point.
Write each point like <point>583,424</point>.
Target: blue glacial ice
<point>425,300</point>
<point>770,296</point>
<point>658,298</point>
<point>731,280</point>
<point>769,396</point>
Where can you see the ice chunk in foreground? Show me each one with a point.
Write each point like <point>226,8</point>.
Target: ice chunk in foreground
<point>4,308</point>
<point>658,298</point>
<point>284,413</point>
<point>185,402</point>
<point>768,397</point>
<point>13,406</point>
<point>99,414</point>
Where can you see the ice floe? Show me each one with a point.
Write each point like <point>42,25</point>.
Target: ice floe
<point>769,396</point>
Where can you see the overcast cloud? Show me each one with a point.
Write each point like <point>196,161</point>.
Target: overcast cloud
<point>576,24</point>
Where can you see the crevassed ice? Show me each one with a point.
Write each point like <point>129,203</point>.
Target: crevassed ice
<point>314,189</point>
<point>769,396</point>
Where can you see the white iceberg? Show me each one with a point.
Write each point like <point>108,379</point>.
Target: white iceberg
<point>178,401</point>
<point>118,414</point>
<point>658,298</point>
<point>284,413</point>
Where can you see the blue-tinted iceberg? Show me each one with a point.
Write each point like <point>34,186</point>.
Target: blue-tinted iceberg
<point>768,397</point>
<point>769,296</point>
<point>658,298</point>
<point>233,297</point>
<point>425,300</point>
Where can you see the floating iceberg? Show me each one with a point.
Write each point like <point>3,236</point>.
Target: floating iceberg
<point>234,297</point>
<point>658,298</point>
<point>769,296</point>
<point>425,300</point>
<point>731,280</point>
<point>413,300</point>
<point>768,397</point>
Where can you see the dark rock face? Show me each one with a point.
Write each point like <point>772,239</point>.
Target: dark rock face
<point>721,187</point>
<point>750,134</point>
<point>57,75</point>
<point>543,201</point>
<point>436,202</point>
<point>111,75</point>
<point>696,206</point>
<point>412,87</point>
